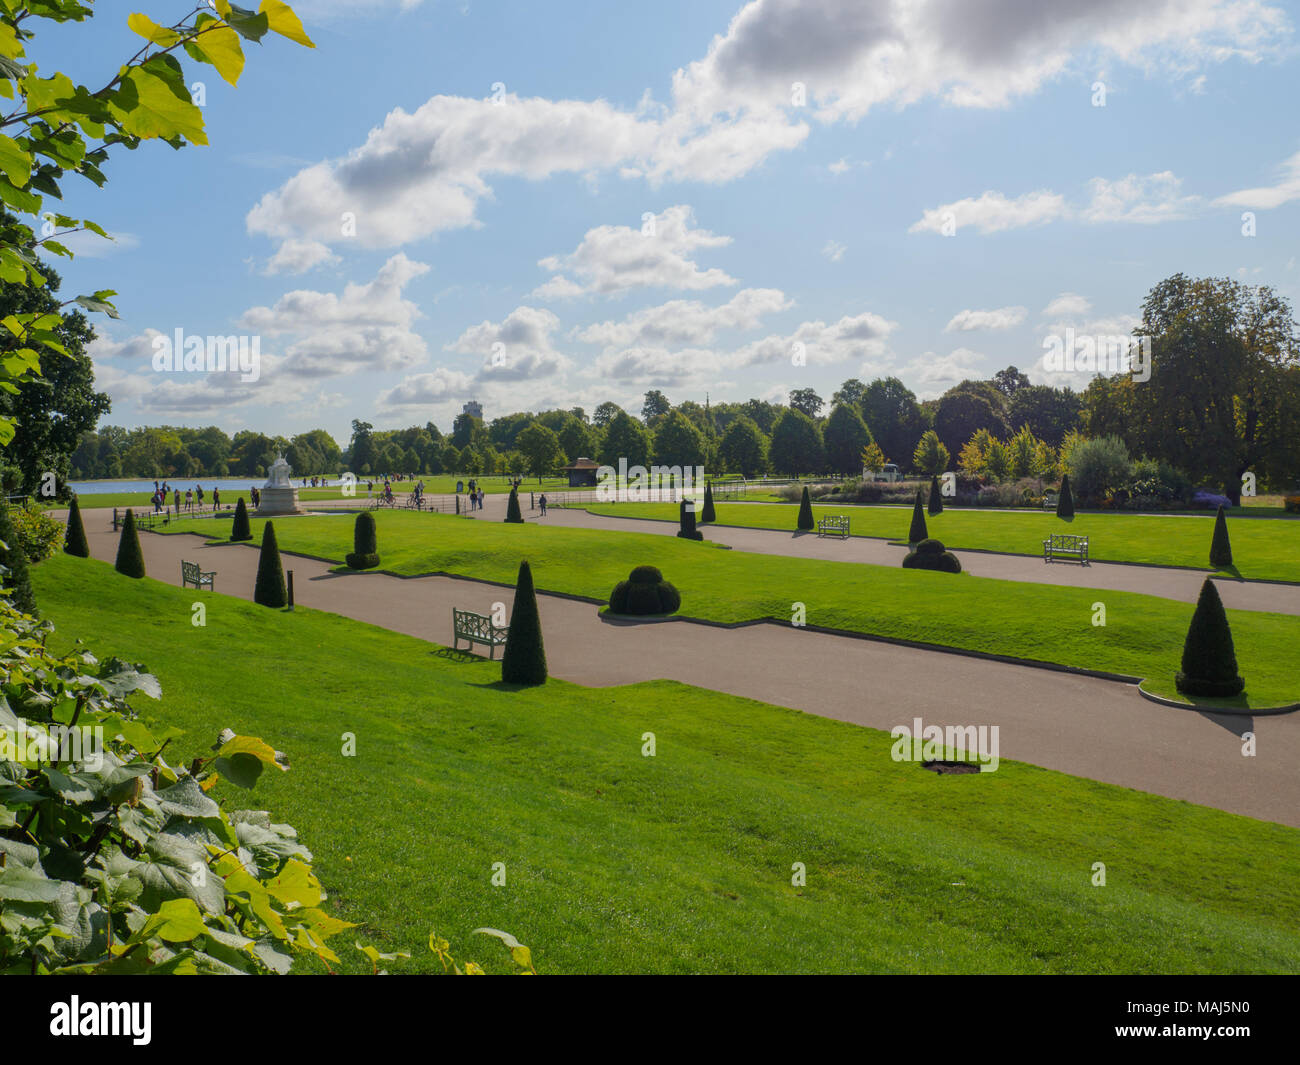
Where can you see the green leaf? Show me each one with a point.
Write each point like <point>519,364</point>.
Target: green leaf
<point>521,954</point>
<point>240,769</point>
<point>151,31</point>
<point>15,161</point>
<point>147,106</point>
<point>186,799</point>
<point>296,885</point>
<point>177,921</point>
<point>282,20</point>
<point>220,46</point>
<point>93,304</point>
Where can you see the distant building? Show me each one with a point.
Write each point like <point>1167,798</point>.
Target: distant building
<point>582,474</point>
<point>474,409</point>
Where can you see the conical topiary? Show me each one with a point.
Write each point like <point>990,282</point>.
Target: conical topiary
<point>365,543</point>
<point>686,517</point>
<point>524,660</point>
<point>1220,548</point>
<point>1065,502</point>
<point>936,498</point>
<point>269,589</point>
<point>130,559</point>
<point>239,528</point>
<point>513,513</point>
<point>708,514</point>
<point>806,523</point>
<point>74,541</point>
<point>918,531</point>
<point>14,558</point>
<point>1209,658</point>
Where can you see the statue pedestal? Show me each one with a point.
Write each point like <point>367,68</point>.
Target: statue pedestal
<point>278,500</point>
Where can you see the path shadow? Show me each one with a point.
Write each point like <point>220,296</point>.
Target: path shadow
<point>1237,724</point>
<point>1231,570</point>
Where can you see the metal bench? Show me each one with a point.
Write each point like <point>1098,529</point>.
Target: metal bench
<point>191,574</point>
<point>834,525</point>
<point>1050,500</point>
<point>1066,546</point>
<point>477,628</point>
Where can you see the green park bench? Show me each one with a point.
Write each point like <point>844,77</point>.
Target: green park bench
<point>477,628</point>
<point>192,574</point>
<point>834,525</point>
<point>1065,546</point>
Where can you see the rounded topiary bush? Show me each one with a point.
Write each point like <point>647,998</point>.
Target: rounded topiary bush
<point>365,543</point>
<point>644,592</point>
<point>931,554</point>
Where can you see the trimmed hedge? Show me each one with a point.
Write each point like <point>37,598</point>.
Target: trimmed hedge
<point>240,530</point>
<point>524,659</point>
<point>74,542</point>
<point>686,514</point>
<point>918,531</point>
<point>709,514</point>
<point>1065,501</point>
<point>130,559</point>
<point>269,589</point>
<point>1220,547</point>
<point>936,498</point>
<point>365,543</point>
<point>806,522</point>
<point>513,514</point>
<point>1209,657</point>
<point>14,558</point>
<point>644,592</point>
<point>931,554</point>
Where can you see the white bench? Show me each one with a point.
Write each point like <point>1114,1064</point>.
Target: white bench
<point>477,628</point>
<point>1066,546</point>
<point>834,525</point>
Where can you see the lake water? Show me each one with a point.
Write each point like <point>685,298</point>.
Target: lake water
<point>145,488</point>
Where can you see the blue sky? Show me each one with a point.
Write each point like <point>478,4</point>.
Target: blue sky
<point>499,251</point>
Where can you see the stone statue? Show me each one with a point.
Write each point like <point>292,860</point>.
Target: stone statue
<point>278,475</point>
<point>279,496</point>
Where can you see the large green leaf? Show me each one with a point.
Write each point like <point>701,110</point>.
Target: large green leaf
<point>148,107</point>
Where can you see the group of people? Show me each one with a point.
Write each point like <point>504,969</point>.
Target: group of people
<point>163,493</point>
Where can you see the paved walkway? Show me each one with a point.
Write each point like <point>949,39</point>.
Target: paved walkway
<point>1079,725</point>
<point>1166,582</point>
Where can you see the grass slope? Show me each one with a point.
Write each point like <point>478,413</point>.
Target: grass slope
<point>679,862</point>
<point>1143,635</point>
<point>1263,549</point>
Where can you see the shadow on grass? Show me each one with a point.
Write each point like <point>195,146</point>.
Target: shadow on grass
<point>465,657</point>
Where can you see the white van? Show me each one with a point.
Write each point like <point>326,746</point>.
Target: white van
<point>888,473</point>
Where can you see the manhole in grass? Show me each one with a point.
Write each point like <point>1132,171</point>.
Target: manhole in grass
<point>950,767</point>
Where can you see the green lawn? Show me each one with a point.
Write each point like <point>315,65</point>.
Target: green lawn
<point>1262,548</point>
<point>1143,635</point>
<point>681,862</point>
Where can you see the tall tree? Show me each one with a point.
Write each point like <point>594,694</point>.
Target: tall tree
<point>894,417</point>
<point>625,438</point>
<point>1220,398</point>
<point>654,407</point>
<point>743,448</point>
<point>677,442</point>
<point>797,446</point>
<point>845,435</point>
<point>806,401</point>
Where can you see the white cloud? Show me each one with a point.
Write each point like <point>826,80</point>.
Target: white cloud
<point>834,250</point>
<point>366,327</point>
<point>422,390</point>
<point>1067,305</point>
<point>686,321</point>
<point>659,367</point>
<point>615,259</point>
<point>296,256</point>
<point>932,375</point>
<point>992,212</point>
<point>1143,200</point>
<point>557,288</point>
<point>518,348</point>
<point>1267,197</point>
<point>1001,318</point>
<point>864,336</point>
